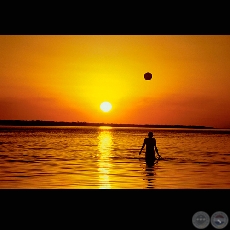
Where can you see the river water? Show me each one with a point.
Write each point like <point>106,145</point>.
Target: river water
<point>107,157</point>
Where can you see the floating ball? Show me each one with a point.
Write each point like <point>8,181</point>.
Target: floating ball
<point>148,76</point>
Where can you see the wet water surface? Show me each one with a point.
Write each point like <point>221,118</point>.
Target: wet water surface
<point>106,157</point>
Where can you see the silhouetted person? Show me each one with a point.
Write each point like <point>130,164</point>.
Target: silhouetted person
<point>151,148</point>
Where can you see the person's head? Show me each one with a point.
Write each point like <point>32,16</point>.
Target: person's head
<point>150,134</point>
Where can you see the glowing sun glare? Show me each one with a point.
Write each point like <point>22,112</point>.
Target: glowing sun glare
<point>105,106</point>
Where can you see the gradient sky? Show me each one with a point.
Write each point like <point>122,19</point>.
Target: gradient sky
<point>66,78</point>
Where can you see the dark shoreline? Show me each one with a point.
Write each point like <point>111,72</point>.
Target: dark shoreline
<point>64,123</point>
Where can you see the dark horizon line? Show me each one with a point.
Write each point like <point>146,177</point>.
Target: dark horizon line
<point>80,123</point>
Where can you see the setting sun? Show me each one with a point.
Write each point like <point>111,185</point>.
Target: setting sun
<point>105,106</point>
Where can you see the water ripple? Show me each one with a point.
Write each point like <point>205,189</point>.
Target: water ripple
<point>80,157</point>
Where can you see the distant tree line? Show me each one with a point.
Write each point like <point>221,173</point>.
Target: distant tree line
<point>78,123</point>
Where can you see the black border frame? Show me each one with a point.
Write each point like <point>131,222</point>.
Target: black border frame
<point>114,208</point>
<point>135,208</point>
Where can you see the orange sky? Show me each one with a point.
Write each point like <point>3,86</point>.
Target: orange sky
<point>66,78</point>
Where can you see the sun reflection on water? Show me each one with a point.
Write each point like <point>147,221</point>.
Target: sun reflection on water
<point>105,142</point>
